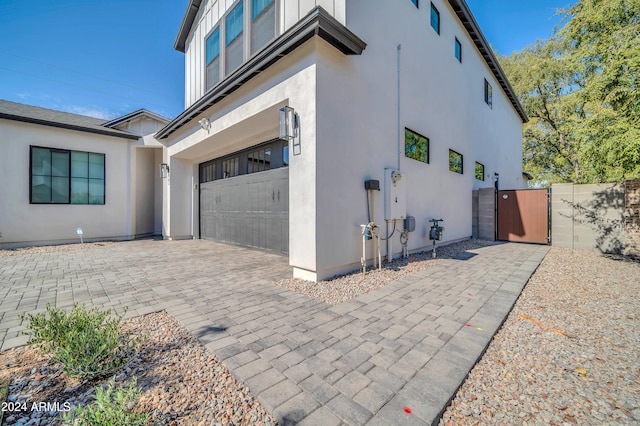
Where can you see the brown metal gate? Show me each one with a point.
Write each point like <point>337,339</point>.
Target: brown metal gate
<point>523,215</point>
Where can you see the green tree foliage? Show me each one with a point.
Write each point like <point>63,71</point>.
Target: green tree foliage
<point>580,91</point>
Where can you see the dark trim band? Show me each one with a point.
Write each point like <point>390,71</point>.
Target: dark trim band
<point>107,132</point>
<point>464,15</point>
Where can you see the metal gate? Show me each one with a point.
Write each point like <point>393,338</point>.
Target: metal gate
<point>523,216</point>
<point>249,210</point>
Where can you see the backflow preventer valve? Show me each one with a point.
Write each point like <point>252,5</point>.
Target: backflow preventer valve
<point>435,234</point>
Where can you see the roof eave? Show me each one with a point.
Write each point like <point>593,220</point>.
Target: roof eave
<point>187,22</point>
<point>468,21</point>
<point>106,132</point>
<point>317,22</point>
<point>136,114</point>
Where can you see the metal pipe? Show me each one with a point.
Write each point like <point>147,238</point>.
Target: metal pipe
<point>399,126</point>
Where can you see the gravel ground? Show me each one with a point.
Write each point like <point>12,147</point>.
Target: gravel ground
<point>568,352</point>
<point>182,383</point>
<point>346,287</point>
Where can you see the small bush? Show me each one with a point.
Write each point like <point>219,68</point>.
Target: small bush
<point>112,407</point>
<point>89,344</point>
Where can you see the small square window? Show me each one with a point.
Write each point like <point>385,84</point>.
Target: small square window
<point>416,146</point>
<point>455,161</point>
<point>415,2</point>
<point>488,93</point>
<point>479,171</point>
<point>458,50</point>
<point>435,18</point>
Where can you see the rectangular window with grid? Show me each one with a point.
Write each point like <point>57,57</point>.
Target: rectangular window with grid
<point>59,176</point>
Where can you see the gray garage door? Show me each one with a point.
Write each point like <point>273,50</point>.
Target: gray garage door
<point>250,210</point>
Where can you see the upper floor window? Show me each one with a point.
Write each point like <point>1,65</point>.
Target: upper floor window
<point>435,18</point>
<point>458,50</point>
<point>455,161</point>
<point>213,58</point>
<point>263,23</point>
<point>488,93</point>
<point>222,59</point>
<point>60,176</point>
<point>479,171</point>
<point>415,2</point>
<point>234,40</point>
<point>416,146</point>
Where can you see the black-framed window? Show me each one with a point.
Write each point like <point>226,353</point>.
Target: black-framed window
<point>267,156</point>
<point>455,161</point>
<point>458,50</point>
<point>435,18</point>
<point>416,146</point>
<point>415,2</point>
<point>60,176</point>
<point>488,93</point>
<point>212,52</point>
<point>479,171</point>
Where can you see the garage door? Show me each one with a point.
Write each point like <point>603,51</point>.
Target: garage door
<point>250,210</point>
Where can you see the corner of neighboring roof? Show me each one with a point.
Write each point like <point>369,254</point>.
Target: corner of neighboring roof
<point>136,114</point>
<point>465,16</point>
<point>187,22</point>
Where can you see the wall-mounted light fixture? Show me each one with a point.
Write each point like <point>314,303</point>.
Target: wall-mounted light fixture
<point>205,124</point>
<point>289,123</point>
<point>164,170</point>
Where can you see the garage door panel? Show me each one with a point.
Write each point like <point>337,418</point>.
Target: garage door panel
<point>249,210</point>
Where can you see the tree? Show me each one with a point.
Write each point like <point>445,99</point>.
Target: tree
<point>579,89</point>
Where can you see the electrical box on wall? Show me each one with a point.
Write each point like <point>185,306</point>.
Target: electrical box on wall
<point>395,194</point>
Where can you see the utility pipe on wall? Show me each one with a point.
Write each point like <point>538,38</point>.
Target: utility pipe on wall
<point>399,135</point>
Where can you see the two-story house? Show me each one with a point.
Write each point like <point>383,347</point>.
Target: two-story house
<point>407,93</point>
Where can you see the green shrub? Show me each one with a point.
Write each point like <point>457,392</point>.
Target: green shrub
<point>89,344</point>
<point>112,407</point>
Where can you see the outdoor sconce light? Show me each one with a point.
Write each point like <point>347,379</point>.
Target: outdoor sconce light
<point>289,123</point>
<point>164,170</point>
<point>205,124</point>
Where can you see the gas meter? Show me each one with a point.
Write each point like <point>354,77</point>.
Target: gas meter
<point>435,233</point>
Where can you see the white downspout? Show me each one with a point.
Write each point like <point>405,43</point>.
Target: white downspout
<point>389,240</point>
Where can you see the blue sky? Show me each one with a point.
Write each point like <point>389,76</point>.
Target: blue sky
<point>106,58</point>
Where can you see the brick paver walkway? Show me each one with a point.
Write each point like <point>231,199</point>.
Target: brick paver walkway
<point>409,344</point>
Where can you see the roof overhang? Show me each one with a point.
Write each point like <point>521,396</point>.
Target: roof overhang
<point>106,131</point>
<point>136,114</point>
<point>466,17</point>
<point>318,22</point>
<point>187,23</point>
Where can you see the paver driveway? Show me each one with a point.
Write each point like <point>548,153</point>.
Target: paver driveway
<point>410,343</point>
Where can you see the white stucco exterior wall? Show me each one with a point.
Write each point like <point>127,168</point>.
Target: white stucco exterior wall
<point>440,98</point>
<point>246,118</point>
<point>352,127</point>
<point>22,223</point>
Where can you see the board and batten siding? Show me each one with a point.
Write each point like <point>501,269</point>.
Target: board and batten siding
<point>289,13</point>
